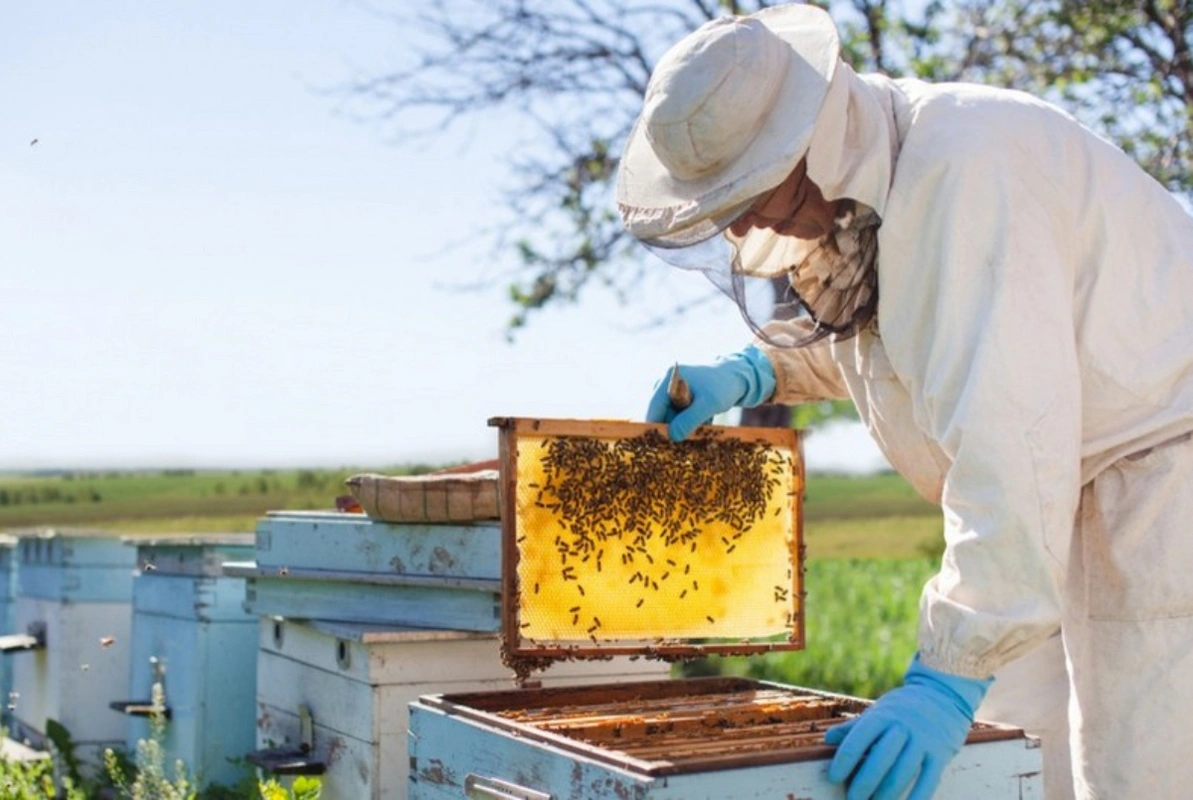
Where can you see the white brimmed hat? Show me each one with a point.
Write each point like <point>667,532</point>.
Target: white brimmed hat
<point>728,113</point>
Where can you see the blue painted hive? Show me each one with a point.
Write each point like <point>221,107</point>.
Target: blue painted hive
<point>68,647</point>
<point>351,568</point>
<point>192,635</point>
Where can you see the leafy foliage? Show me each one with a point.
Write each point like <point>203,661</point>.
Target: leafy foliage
<point>814,415</point>
<point>1123,68</point>
<point>35,780</point>
<point>146,779</point>
<point>64,750</point>
<point>574,72</point>
<point>304,787</point>
<point>149,781</point>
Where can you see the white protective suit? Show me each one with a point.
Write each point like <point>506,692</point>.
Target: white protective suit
<point>1030,369</point>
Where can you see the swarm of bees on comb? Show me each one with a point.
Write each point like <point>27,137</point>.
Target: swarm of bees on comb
<point>639,537</point>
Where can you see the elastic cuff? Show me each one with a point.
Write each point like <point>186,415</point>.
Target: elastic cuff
<point>969,691</point>
<point>954,664</point>
<point>760,377</point>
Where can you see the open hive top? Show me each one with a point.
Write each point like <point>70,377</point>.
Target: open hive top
<point>668,727</point>
<point>619,541</point>
<point>675,726</point>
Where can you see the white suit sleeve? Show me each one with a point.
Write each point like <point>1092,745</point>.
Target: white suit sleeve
<point>802,374</point>
<point>976,314</point>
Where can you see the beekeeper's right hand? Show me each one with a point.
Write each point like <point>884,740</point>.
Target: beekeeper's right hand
<point>745,378</point>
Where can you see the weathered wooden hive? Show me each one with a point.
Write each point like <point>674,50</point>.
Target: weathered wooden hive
<point>192,636</point>
<point>69,646</point>
<point>617,541</point>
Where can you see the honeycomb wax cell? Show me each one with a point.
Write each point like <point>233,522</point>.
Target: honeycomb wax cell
<point>643,538</point>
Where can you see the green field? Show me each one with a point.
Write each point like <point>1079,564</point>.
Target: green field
<point>170,500</point>
<point>871,544</point>
<point>876,516</point>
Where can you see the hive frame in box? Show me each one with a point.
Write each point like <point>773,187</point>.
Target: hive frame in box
<point>626,704</point>
<point>606,743</point>
<point>520,650</point>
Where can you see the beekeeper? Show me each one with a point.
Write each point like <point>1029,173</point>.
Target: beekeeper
<point>1006,298</point>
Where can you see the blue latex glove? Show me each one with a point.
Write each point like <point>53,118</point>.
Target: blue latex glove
<point>745,378</point>
<point>907,738</point>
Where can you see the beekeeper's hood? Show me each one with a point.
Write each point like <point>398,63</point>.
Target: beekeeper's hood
<point>729,112</point>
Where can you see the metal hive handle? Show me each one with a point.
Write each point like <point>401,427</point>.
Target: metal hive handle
<point>478,787</point>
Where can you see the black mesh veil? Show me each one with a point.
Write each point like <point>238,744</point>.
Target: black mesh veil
<point>831,280</point>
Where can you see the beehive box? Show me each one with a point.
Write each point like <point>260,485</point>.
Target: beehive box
<point>697,739</point>
<point>190,632</point>
<point>348,567</point>
<point>74,595</point>
<point>354,683</point>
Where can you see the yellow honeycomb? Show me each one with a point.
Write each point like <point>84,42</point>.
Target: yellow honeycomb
<point>636,537</point>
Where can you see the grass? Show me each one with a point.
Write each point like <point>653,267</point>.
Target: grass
<point>876,537</point>
<point>885,494</point>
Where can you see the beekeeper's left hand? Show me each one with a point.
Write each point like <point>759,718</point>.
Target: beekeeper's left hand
<point>907,738</point>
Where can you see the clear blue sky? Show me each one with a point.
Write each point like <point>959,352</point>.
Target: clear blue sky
<point>205,262</point>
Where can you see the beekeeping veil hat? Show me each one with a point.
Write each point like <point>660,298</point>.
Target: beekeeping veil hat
<point>728,113</point>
